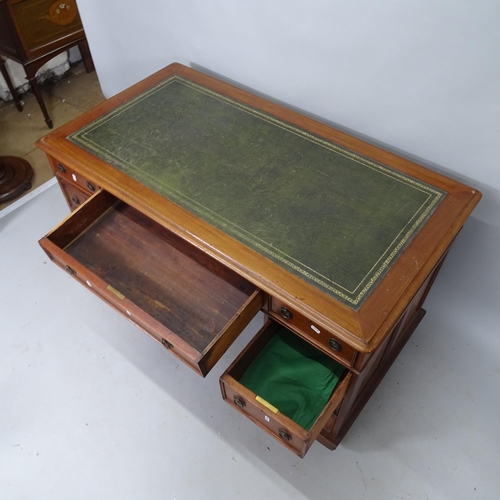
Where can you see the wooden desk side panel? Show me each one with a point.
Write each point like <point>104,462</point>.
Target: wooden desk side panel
<point>375,365</point>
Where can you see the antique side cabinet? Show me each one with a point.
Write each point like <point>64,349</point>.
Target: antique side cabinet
<point>32,32</point>
<point>196,204</point>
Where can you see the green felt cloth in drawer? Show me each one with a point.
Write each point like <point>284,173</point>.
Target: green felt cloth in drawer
<point>294,377</point>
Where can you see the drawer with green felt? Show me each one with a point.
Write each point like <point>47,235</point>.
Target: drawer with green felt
<point>285,385</point>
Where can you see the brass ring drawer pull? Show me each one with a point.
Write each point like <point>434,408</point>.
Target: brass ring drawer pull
<point>61,168</point>
<point>284,435</point>
<point>286,313</point>
<point>90,187</point>
<point>239,402</point>
<point>335,345</point>
<point>166,343</point>
<point>75,199</point>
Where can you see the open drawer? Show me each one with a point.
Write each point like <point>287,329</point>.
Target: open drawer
<point>176,293</point>
<point>286,386</point>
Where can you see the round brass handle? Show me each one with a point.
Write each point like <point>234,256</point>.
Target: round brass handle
<point>239,402</point>
<point>286,313</point>
<point>90,187</point>
<point>70,270</point>
<point>61,168</point>
<point>335,345</point>
<point>166,343</point>
<point>284,435</point>
<point>75,199</point>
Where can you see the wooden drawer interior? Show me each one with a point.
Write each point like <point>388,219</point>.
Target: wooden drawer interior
<point>286,386</point>
<point>181,296</point>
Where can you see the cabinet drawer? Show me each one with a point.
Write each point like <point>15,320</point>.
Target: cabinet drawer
<point>42,22</point>
<point>74,196</point>
<point>286,386</point>
<point>319,336</point>
<point>176,293</point>
<point>65,173</point>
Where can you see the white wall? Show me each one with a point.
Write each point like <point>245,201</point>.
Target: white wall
<point>421,78</point>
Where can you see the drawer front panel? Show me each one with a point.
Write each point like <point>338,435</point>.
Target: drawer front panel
<point>42,22</point>
<point>245,402</point>
<point>74,196</point>
<point>117,301</point>
<point>181,297</point>
<point>70,176</point>
<point>264,414</point>
<point>319,336</point>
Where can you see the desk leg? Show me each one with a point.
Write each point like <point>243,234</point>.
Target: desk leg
<point>8,81</point>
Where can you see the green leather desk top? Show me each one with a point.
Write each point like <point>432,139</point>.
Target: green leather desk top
<point>328,215</point>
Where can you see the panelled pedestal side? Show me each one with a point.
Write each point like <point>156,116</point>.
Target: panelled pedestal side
<point>373,367</point>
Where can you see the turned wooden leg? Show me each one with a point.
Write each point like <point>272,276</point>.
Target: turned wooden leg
<point>8,81</point>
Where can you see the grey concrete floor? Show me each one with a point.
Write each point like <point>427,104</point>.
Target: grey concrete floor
<point>90,407</point>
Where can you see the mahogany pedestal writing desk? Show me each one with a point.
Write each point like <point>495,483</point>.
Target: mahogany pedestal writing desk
<point>197,204</point>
